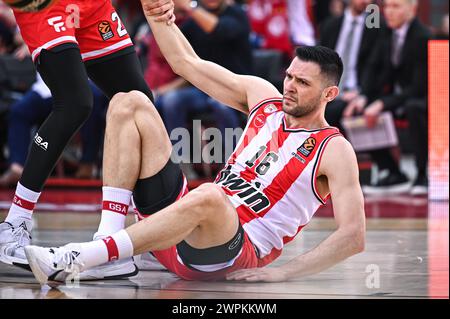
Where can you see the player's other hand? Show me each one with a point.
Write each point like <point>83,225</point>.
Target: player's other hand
<point>258,275</point>
<point>162,10</point>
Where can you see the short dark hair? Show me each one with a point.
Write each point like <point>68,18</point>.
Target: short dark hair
<point>329,61</point>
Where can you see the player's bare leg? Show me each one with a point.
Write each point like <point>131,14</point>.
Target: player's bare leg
<point>137,145</point>
<point>121,168</point>
<point>204,218</point>
<point>134,131</point>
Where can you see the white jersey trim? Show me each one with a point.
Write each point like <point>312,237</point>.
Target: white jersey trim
<point>118,45</point>
<point>257,106</point>
<point>316,168</point>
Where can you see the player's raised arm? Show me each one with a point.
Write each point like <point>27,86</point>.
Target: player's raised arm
<point>237,91</point>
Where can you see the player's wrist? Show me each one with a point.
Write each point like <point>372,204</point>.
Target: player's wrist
<point>285,272</point>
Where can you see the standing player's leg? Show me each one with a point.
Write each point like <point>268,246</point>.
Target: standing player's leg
<point>65,75</point>
<point>138,148</point>
<point>63,71</point>
<point>122,73</point>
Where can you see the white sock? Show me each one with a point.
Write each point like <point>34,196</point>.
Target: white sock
<point>114,210</point>
<point>92,253</point>
<point>22,207</point>
<point>98,252</point>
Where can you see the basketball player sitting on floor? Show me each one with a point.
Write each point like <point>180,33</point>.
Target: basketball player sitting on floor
<point>286,165</point>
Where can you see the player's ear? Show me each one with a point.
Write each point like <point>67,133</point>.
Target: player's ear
<point>331,93</point>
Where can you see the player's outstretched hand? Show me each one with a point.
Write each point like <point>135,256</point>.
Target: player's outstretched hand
<point>258,274</point>
<point>162,10</point>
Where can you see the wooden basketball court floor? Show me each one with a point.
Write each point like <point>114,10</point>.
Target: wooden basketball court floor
<point>404,258</point>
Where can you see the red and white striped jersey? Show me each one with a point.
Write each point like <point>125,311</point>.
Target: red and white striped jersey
<point>270,177</point>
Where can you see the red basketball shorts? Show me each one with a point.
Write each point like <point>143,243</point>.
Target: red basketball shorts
<point>93,25</point>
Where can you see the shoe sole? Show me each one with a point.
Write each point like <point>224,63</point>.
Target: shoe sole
<point>115,277</point>
<point>132,274</point>
<point>151,269</point>
<point>34,265</point>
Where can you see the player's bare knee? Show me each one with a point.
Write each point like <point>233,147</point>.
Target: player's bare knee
<point>139,97</point>
<point>117,99</point>
<point>128,104</point>
<point>117,106</point>
<point>211,197</point>
<point>124,105</point>
<point>360,239</point>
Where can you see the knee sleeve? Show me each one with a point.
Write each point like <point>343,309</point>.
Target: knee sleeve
<point>152,194</point>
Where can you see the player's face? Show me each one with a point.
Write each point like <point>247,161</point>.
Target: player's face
<point>398,12</point>
<point>303,87</point>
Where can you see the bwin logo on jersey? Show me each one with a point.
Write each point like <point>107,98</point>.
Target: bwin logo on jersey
<point>256,200</point>
<point>40,142</point>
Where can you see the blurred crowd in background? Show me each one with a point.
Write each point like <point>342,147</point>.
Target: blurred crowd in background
<point>385,71</point>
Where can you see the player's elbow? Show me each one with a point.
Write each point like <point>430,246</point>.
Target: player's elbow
<point>355,239</point>
<point>358,236</point>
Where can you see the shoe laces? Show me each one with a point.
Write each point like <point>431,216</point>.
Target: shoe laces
<point>68,260</point>
<point>21,236</point>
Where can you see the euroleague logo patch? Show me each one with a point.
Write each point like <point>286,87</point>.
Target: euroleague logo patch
<point>105,30</point>
<point>259,121</point>
<point>307,147</point>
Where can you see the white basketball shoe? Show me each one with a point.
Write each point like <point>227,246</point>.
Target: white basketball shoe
<point>13,239</point>
<point>54,266</point>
